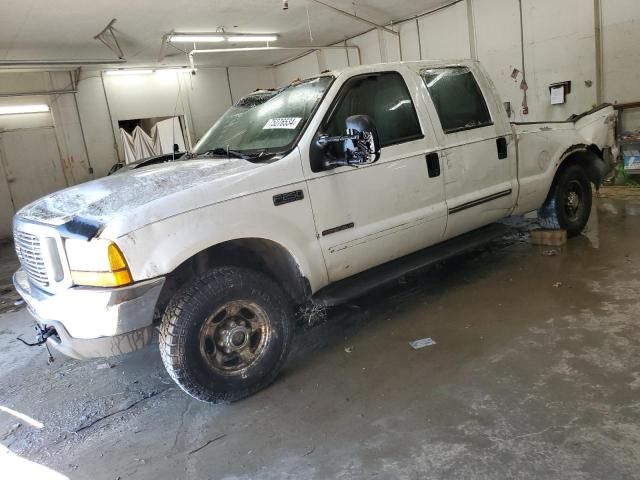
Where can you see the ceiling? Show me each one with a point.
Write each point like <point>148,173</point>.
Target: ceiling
<point>64,29</point>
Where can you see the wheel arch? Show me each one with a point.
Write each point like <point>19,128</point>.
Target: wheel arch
<point>260,254</point>
<point>589,157</point>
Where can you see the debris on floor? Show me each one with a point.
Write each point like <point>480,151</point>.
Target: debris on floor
<point>10,301</point>
<point>421,343</point>
<point>312,314</point>
<point>557,284</point>
<point>349,349</point>
<point>549,253</point>
<point>10,432</point>
<point>104,366</point>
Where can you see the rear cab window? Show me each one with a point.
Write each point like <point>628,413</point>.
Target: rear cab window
<point>457,98</point>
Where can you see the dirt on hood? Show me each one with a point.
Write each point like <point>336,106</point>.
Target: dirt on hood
<point>101,200</point>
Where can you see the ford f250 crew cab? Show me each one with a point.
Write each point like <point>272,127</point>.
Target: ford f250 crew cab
<point>334,185</point>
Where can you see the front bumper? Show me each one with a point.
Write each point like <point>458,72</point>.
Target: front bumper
<point>94,322</point>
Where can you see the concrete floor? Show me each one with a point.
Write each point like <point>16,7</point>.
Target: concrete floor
<point>535,374</point>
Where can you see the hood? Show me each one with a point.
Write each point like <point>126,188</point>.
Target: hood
<point>101,200</point>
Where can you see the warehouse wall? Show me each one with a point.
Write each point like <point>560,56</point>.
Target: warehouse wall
<point>201,99</point>
<point>559,45</point>
<point>621,56</point>
<point>20,82</point>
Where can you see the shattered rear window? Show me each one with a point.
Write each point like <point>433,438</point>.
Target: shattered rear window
<point>457,98</point>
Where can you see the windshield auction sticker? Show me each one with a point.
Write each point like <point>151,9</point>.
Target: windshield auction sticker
<point>284,123</point>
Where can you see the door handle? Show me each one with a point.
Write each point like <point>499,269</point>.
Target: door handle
<point>501,143</point>
<point>433,164</point>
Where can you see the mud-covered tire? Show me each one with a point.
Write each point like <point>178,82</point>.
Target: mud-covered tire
<point>560,210</point>
<point>193,364</point>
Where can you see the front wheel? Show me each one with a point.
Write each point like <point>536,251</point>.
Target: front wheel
<point>568,205</point>
<point>227,335</point>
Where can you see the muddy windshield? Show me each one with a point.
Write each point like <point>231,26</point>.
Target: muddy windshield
<point>268,128</point>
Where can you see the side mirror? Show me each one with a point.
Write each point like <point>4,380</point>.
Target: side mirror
<point>360,144</point>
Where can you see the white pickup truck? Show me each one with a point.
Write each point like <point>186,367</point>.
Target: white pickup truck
<point>330,187</point>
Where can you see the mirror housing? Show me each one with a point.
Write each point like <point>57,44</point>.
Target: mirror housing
<point>360,144</point>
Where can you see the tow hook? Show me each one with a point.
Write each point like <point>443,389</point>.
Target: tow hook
<point>42,334</point>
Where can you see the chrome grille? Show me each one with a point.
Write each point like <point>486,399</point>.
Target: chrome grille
<point>29,253</point>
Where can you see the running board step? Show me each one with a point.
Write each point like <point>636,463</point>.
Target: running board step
<point>361,283</point>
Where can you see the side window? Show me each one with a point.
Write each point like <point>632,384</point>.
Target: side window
<point>457,97</point>
<point>385,98</point>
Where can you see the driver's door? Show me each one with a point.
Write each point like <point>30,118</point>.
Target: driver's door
<point>369,215</point>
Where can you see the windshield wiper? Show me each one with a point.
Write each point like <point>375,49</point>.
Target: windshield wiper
<point>261,156</point>
<point>225,152</point>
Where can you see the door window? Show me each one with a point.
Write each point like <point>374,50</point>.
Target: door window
<point>457,98</point>
<point>385,98</point>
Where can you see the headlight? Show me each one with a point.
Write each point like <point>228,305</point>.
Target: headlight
<point>98,263</point>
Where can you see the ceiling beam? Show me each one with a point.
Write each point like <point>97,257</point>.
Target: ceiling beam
<point>108,37</point>
<point>55,63</point>
<point>308,48</point>
<point>40,93</point>
<point>355,17</point>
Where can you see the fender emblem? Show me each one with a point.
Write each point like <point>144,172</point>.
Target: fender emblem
<point>288,197</point>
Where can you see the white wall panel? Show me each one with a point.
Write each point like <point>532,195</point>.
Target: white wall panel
<point>391,45</point>
<point>95,121</point>
<point>6,205</point>
<point>18,82</point>
<point>245,80</point>
<point>497,25</point>
<point>143,96</point>
<point>621,55</point>
<point>559,50</point>
<point>68,130</point>
<point>445,34</point>
<point>369,48</point>
<point>303,67</point>
<point>409,39</point>
<point>24,82</point>
<point>336,59</point>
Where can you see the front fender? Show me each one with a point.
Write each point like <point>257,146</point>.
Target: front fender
<point>159,248</point>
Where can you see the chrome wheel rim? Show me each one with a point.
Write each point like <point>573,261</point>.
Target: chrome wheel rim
<point>234,337</point>
<point>574,200</point>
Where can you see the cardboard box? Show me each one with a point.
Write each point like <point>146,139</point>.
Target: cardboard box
<point>550,238</point>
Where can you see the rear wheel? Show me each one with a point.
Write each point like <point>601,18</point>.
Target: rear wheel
<point>568,205</point>
<point>227,335</point>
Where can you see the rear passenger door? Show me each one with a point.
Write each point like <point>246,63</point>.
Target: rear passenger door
<point>475,137</point>
<point>369,215</point>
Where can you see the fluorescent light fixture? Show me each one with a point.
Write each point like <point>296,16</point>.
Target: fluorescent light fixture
<point>130,71</point>
<point>148,71</point>
<point>17,109</point>
<point>196,38</point>
<point>174,69</point>
<point>252,38</point>
<point>221,37</point>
